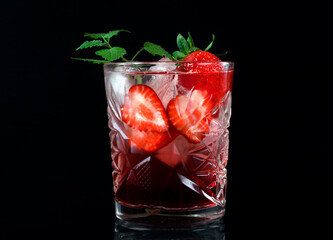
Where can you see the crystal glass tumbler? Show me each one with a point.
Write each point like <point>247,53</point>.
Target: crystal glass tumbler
<point>169,139</point>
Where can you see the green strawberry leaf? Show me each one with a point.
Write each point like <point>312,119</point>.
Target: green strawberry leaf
<point>97,61</point>
<point>210,45</point>
<point>155,49</point>
<point>111,54</point>
<point>182,44</point>
<point>194,49</point>
<point>89,44</point>
<point>178,55</point>
<point>221,54</point>
<point>190,41</point>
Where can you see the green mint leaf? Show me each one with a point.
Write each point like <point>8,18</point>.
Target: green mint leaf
<point>178,55</point>
<point>210,45</point>
<point>190,41</point>
<point>89,44</point>
<point>97,61</point>
<point>104,35</point>
<point>114,33</point>
<point>155,49</point>
<point>182,44</point>
<point>95,35</point>
<point>111,54</point>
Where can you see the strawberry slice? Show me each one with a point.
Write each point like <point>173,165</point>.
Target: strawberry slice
<point>191,115</point>
<point>147,124</point>
<point>143,110</point>
<point>209,77</point>
<point>148,141</point>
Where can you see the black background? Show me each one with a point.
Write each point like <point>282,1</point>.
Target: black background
<point>55,156</point>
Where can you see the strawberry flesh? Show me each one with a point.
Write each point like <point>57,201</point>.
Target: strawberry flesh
<point>148,141</point>
<point>147,124</point>
<point>191,115</point>
<point>143,110</point>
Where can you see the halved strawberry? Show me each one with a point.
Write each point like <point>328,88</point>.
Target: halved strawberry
<point>143,110</point>
<point>204,75</point>
<point>190,115</point>
<point>148,141</point>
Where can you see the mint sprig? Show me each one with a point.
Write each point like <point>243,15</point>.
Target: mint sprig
<point>110,53</point>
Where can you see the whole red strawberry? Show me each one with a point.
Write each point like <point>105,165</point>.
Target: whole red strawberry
<point>204,71</point>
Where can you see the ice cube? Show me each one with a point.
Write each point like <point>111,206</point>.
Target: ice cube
<point>117,84</point>
<point>165,65</point>
<point>163,81</point>
<point>174,153</point>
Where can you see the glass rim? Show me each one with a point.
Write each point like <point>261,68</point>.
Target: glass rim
<point>165,62</point>
<point>143,66</point>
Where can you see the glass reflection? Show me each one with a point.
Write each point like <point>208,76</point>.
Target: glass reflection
<point>210,231</point>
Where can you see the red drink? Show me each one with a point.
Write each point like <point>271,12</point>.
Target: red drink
<point>169,136</point>
<point>153,183</point>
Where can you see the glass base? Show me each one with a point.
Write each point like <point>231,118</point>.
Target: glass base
<point>213,230</point>
<point>146,218</point>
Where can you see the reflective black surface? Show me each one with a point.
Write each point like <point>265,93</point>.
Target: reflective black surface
<point>212,231</point>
